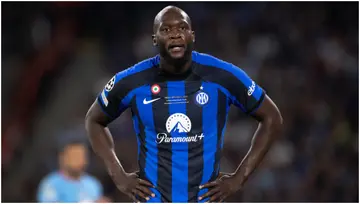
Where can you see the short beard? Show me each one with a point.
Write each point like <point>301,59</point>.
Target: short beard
<point>76,174</point>
<point>177,62</point>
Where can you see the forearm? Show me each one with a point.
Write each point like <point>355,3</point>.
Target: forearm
<point>103,145</point>
<point>263,138</point>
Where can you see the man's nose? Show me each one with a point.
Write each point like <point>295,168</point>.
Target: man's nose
<point>175,34</point>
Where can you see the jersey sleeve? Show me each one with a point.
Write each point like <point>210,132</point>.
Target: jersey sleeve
<point>245,93</point>
<point>47,191</point>
<point>112,99</point>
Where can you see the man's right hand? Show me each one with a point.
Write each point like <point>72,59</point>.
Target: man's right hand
<point>96,122</point>
<point>133,186</point>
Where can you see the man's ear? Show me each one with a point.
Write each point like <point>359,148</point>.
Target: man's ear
<point>193,35</point>
<point>154,40</point>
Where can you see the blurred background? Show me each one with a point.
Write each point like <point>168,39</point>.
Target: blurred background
<point>57,56</point>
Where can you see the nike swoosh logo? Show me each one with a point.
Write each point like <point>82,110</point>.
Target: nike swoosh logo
<point>150,101</point>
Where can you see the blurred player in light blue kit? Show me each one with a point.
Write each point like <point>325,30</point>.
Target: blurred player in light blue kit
<point>71,183</point>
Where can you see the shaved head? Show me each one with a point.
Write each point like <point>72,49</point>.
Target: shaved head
<point>173,35</point>
<point>169,10</point>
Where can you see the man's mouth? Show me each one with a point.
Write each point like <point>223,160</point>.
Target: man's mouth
<point>176,47</point>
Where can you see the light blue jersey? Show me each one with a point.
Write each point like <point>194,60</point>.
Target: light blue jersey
<point>56,187</point>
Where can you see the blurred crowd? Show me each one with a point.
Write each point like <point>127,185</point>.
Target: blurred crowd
<point>56,57</point>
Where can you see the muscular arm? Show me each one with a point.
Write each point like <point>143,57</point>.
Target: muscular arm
<point>101,140</point>
<point>270,126</point>
<point>110,103</point>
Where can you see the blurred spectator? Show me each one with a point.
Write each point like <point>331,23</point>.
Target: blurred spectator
<point>70,183</point>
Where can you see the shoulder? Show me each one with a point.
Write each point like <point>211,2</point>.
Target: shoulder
<point>215,69</point>
<point>140,67</point>
<point>49,188</point>
<point>212,61</point>
<point>50,184</point>
<point>133,76</point>
<point>52,178</point>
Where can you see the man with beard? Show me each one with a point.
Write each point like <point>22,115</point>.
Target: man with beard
<point>71,183</point>
<point>179,101</point>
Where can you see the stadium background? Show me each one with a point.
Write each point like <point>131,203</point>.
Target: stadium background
<point>56,57</point>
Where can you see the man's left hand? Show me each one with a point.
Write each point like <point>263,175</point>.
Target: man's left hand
<point>221,188</point>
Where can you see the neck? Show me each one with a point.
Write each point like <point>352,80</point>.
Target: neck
<point>69,176</point>
<point>175,66</point>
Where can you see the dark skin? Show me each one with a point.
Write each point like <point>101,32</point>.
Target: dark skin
<point>102,143</point>
<point>174,38</point>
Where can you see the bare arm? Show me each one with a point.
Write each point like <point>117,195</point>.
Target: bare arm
<point>103,145</point>
<point>101,140</point>
<point>270,127</point>
<point>270,121</point>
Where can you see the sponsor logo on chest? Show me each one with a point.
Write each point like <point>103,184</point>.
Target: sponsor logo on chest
<point>178,125</point>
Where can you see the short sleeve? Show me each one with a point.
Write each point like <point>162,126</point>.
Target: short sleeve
<point>245,92</point>
<point>112,98</point>
<point>47,191</point>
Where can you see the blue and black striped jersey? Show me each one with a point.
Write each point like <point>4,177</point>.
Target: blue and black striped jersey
<point>180,120</point>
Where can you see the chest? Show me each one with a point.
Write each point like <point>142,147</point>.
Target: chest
<point>76,192</point>
<point>178,106</point>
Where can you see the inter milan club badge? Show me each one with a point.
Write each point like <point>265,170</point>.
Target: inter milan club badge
<point>201,98</point>
<point>155,89</point>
